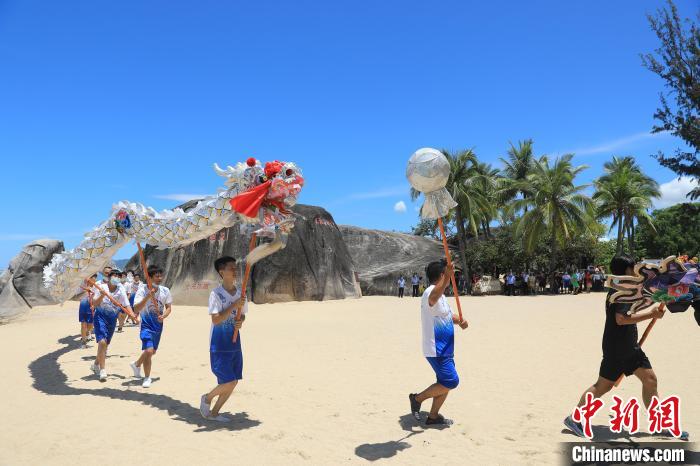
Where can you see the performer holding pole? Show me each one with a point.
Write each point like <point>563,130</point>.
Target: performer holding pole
<point>225,352</point>
<point>109,299</point>
<point>86,313</point>
<point>622,352</point>
<point>428,171</point>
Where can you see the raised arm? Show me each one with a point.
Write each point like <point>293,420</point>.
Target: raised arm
<point>441,285</point>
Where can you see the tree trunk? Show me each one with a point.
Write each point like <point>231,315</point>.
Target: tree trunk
<point>553,264</point>
<point>620,233</point>
<point>462,241</point>
<point>630,239</point>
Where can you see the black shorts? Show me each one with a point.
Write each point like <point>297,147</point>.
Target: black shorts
<point>613,368</point>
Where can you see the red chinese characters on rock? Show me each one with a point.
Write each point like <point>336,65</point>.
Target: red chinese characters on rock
<point>583,414</point>
<point>626,416</point>
<point>665,414</point>
<point>198,286</point>
<point>221,236</point>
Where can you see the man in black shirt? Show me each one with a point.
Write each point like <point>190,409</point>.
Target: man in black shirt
<point>621,351</point>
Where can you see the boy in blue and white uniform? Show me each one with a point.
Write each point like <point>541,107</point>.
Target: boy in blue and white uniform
<point>106,314</point>
<point>151,320</point>
<point>438,342</point>
<point>132,286</point>
<point>225,355</point>
<point>85,316</point>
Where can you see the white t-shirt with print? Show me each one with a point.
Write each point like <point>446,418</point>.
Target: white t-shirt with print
<point>437,326</point>
<point>119,296</point>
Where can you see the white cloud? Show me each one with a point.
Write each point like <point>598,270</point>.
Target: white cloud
<point>400,207</point>
<point>674,192</point>
<point>615,144</point>
<point>180,197</point>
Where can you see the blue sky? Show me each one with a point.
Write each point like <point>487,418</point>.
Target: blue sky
<point>104,101</point>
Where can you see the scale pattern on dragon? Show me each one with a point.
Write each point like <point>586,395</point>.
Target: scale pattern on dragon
<point>257,197</point>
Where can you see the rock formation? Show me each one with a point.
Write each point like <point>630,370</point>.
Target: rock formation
<point>21,285</point>
<point>315,265</point>
<point>380,257</point>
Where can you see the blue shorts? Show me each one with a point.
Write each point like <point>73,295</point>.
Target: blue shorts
<point>227,366</point>
<point>445,371</point>
<point>131,299</point>
<point>105,323</point>
<point>149,339</point>
<point>85,316</point>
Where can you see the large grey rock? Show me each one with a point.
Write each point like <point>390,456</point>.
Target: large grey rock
<point>315,265</point>
<point>21,285</point>
<point>380,257</point>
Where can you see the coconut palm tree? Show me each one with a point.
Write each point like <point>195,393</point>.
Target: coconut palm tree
<point>624,193</point>
<point>489,182</point>
<point>516,168</point>
<point>556,208</point>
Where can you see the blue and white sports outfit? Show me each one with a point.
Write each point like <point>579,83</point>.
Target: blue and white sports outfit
<point>226,357</point>
<point>151,327</point>
<point>84,311</point>
<point>106,314</point>
<point>439,338</point>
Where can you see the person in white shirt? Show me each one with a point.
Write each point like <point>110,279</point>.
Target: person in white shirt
<point>402,285</point>
<point>131,284</point>
<point>109,299</point>
<point>437,323</point>
<point>225,355</point>
<point>415,282</point>
<point>151,321</point>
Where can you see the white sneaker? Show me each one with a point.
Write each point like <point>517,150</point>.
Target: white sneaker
<point>136,369</point>
<point>146,382</point>
<point>219,418</point>
<point>204,407</point>
<point>95,369</point>
<point>103,375</point>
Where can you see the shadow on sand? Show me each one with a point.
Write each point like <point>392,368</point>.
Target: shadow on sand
<point>49,379</point>
<point>377,451</point>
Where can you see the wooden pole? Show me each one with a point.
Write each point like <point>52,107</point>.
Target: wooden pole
<point>244,285</point>
<point>449,262</point>
<point>91,282</point>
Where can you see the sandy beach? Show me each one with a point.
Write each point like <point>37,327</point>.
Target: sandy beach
<point>325,382</point>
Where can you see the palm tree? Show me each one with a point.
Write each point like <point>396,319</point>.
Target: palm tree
<point>489,180</point>
<point>557,208</point>
<point>625,194</point>
<point>516,169</point>
<point>514,183</point>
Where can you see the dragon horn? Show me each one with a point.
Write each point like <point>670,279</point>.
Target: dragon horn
<point>219,171</point>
